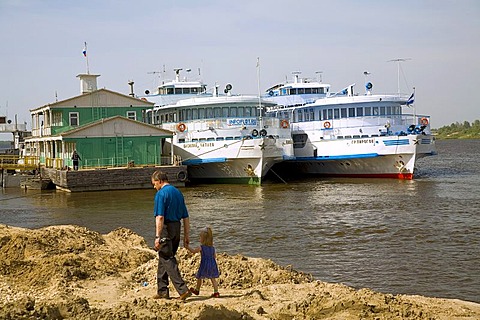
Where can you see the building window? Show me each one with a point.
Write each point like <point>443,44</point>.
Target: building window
<point>132,115</point>
<point>73,117</point>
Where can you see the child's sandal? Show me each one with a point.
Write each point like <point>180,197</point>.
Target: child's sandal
<point>194,291</point>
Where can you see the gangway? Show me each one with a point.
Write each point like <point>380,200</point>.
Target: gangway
<point>15,162</point>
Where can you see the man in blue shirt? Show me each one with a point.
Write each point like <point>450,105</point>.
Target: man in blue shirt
<point>169,209</point>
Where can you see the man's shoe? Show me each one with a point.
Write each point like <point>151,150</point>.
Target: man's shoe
<point>195,291</point>
<point>184,296</point>
<point>161,296</point>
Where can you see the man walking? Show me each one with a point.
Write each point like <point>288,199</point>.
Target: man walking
<point>169,209</point>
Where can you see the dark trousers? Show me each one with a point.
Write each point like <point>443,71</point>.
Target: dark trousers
<point>167,263</point>
<point>75,164</point>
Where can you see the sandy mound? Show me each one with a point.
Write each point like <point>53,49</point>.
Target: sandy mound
<point>70,272</point>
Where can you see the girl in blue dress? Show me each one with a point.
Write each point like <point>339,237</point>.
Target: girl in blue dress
<point>208,264</point>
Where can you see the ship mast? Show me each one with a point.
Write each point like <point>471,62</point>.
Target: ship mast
<point>398,60</point>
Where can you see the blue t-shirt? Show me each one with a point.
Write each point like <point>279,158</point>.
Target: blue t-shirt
<point>169,203</point>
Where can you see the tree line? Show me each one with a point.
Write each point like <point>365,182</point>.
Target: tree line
<point>457,130</point>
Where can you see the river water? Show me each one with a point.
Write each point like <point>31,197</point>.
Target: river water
<point>411,237</point>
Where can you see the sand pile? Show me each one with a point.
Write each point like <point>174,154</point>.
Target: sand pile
<point>70,272</point>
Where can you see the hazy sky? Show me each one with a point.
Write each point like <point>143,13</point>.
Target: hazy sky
<point>42,43</point>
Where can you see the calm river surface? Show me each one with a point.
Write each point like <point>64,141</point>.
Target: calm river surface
<point>411,237</point>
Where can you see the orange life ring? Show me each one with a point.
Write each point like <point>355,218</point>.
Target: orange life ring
<point>327,125</point>
<point>284,124</point>
<point>181,127</point>
<point>424,121</point>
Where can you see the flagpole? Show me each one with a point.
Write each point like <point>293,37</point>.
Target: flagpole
<point>86,57</point>
<point>259,94</point>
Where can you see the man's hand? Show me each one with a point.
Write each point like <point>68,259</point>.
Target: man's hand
<point>157,244</point>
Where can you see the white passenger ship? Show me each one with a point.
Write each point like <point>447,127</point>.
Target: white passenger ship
<point>350,135</point>
<point>225,138</point>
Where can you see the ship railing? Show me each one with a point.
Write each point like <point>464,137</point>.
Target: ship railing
<point>397,122</point>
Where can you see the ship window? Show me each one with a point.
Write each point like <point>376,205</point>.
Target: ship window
<point>201,113</point>
<point>240,112</point>
<point>324,114</point>
<point>225,112</point>
<point>169,90</point>
<point>194,140</point>
<point>132,115</point>
<point>359,112</point>
<point>209,113</point>
<point>336,113</point>
<point>330,114</point>
<point>299,140</point>
<point>189,114</point>
<point>73,119</point>
<point>229,138</point>
<point>368,111</point>
<point>178,90</point>
<point>202,139</point>
<point>194,114</point>
<point>308,90</point>
<point>238,138</point>
<point>351,112</point>
<point>389,110</point>
<point>300,115</point>
<point>382,111</point>
<point>194,90</point>
<point>301,91</point>
<point>233,112</point>
<point>210,139</point>
<point>375,111</point>
<point>217,112</point>
<point>247,112</point>
<point>343,112</point>
<point>220,139</point>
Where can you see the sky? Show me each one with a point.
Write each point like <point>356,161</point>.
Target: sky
<point>42,41</point>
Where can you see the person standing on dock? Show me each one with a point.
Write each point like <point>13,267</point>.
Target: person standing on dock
<point>75,158</point>
<point>169,209</point>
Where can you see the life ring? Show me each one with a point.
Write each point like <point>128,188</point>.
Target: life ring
<point>327,125</point>
<point>182,176</point>
<point>181,127</point>
<point>284,124</point>
<point>424,121</point>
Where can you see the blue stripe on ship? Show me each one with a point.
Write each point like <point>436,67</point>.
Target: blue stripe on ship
<point>343,157</point>
<point>425,141</point>
<point>201,161</point>
<point>399,142</point>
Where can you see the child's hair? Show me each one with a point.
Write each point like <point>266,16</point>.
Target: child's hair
<point>207,236</point>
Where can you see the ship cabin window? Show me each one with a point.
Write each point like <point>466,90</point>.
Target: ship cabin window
<point>220,139</point>
<point>169,90</point>
<point>229,138</point>
<point>210,139</point>
<point>324,114</point>
<point>233,112</point>
<point>240,112</point>
<point>189,114</point>
<point>217,112</point>
<point>308,90</point>
<point>132,115</point>
<point>238,138</point>
<point>247,112</point>
<point>330,114</point>
<point>359,112</point>
<point>209,113</point>
<point>375,111</point>
<point>202,139</point>
<point>336,114</point>
<point>201,113</point>
<point>343,112</point>
<point>225,112</point>
<point>178,90</point>
<point>194,114</point>
<point>351,112</point>
<point>300,90</point>
<point>389,110</point>
<point>368,111</point>
<point>194,140</point>
<point>299,115</point>
<point>382,111</point>
<point>181,140</point>
<point>73,119</point>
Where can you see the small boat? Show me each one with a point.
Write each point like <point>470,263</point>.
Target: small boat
<point>351,135</point>
<point>225,138</point>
